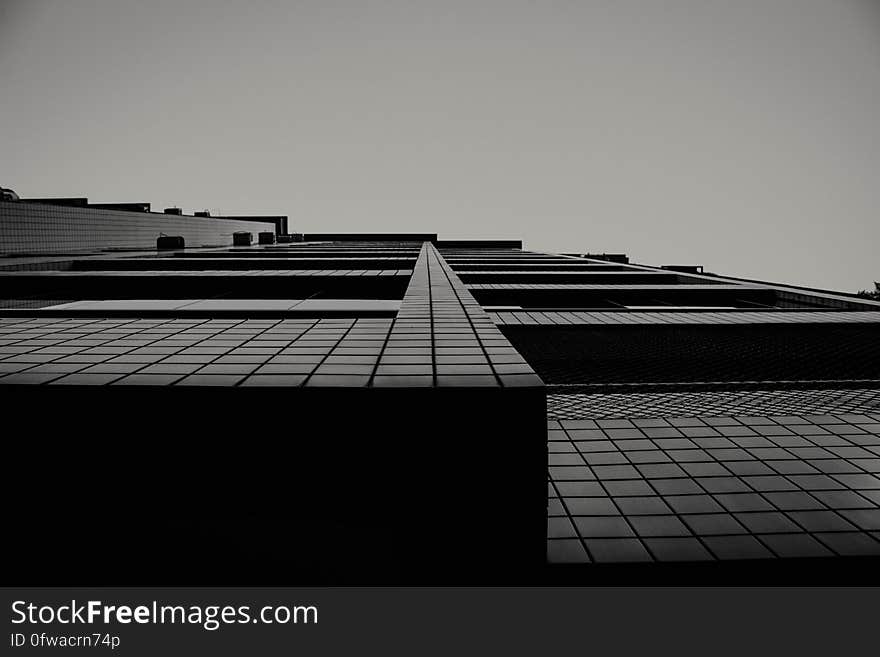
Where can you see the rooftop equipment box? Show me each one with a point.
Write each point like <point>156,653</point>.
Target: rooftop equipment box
<point>170,242</point>
<point>242,238</point>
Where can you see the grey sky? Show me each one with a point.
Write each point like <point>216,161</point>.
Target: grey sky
<point>739,135</point>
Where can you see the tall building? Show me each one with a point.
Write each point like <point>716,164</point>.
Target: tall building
<point>404,408</point>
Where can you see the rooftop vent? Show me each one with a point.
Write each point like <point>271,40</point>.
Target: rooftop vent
<point>170,242</point>
<point>242,238</point>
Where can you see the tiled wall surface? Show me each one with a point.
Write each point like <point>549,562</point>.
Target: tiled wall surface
<point>204,352</point>
<point>161,271</point>
<point>705,488</point>
<point>440,337</point>
<point>35,228</point>
<point>810,401</point>
<point>606,286</point>
<point>562,318</point>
